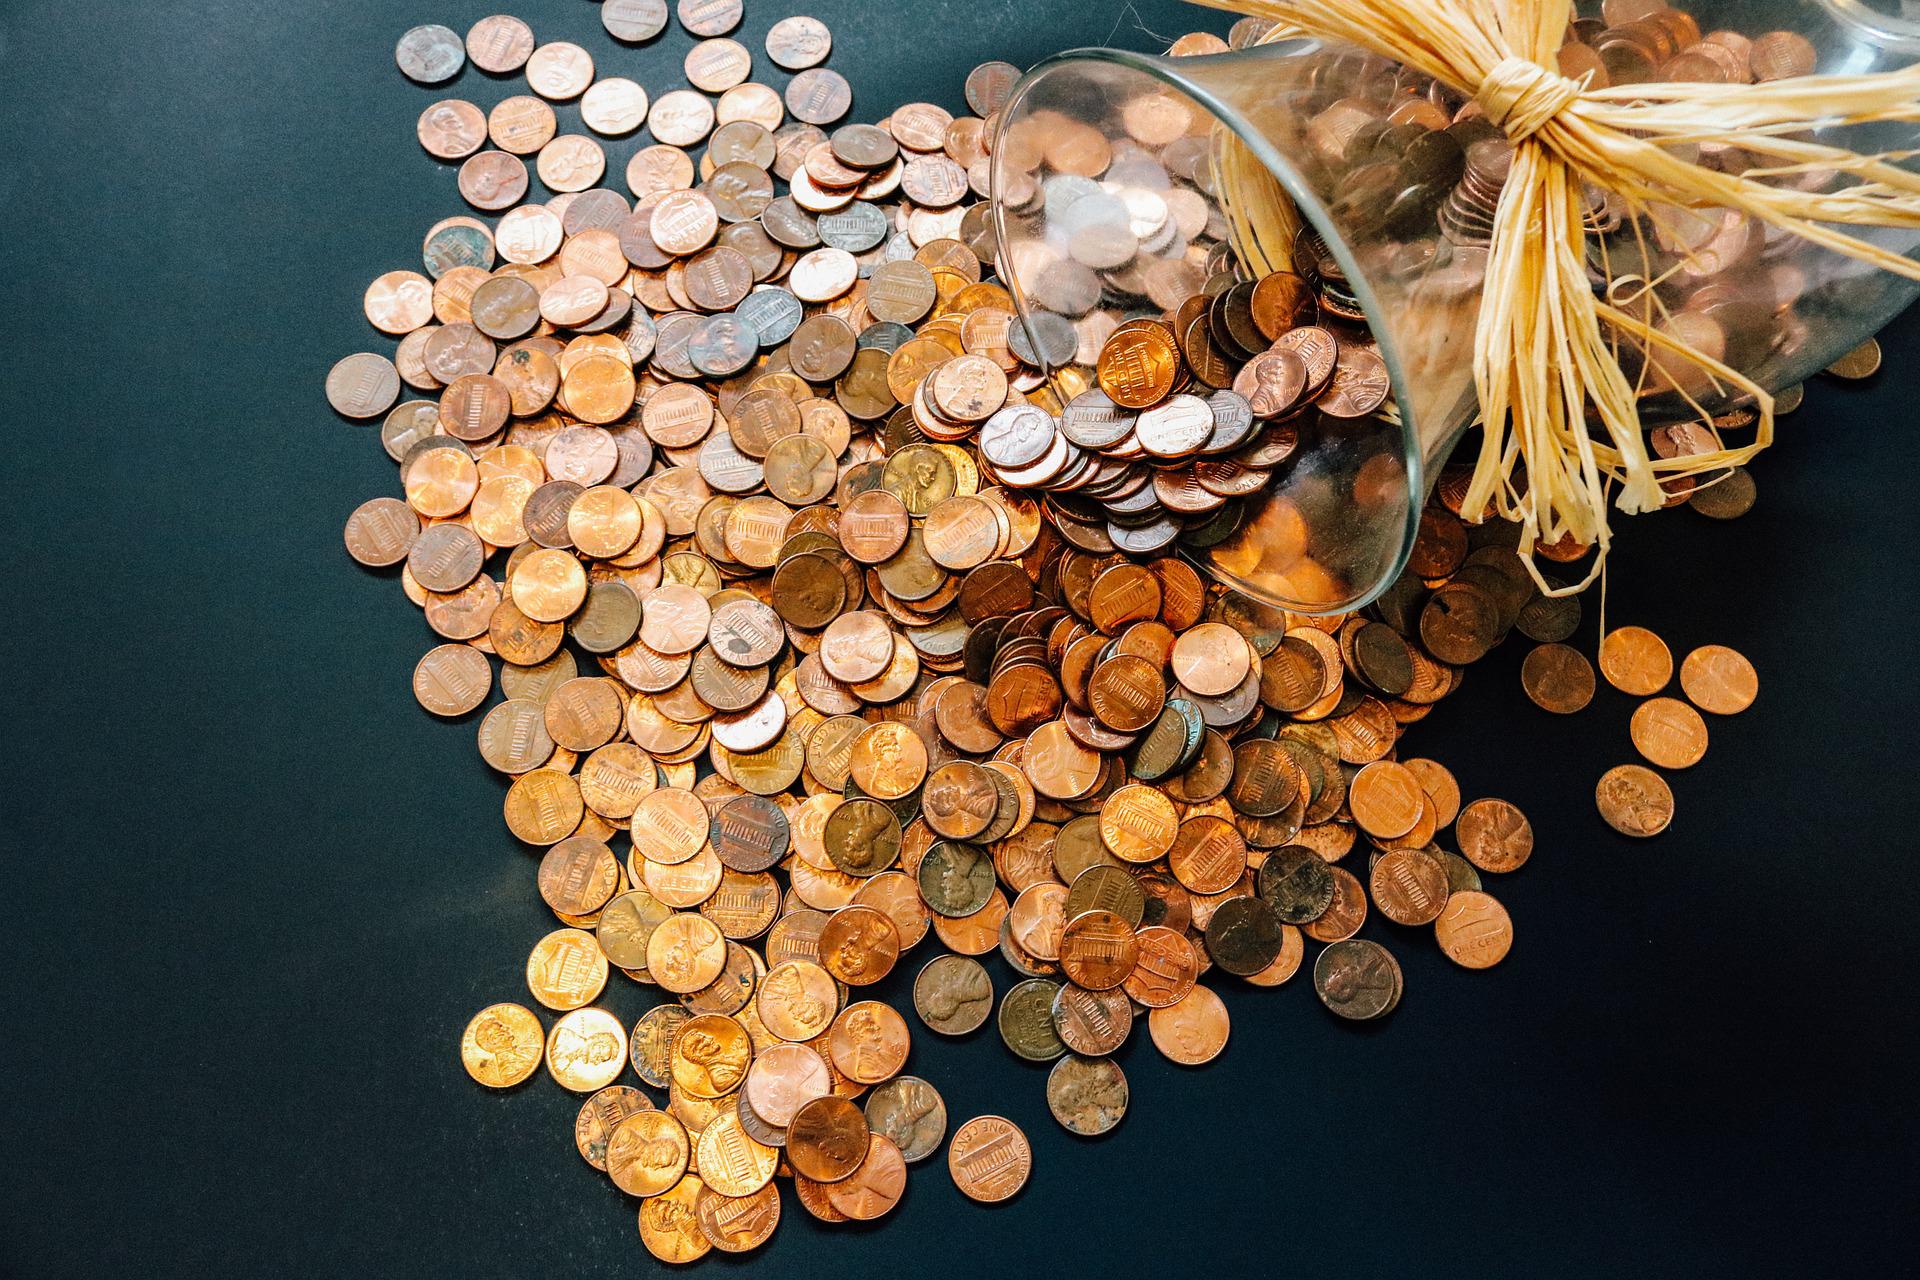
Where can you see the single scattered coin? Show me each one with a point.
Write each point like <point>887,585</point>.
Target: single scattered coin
<point>363,385</point>
<point>1634,800</point>
<point>1474,930</point>
<point>1192,1030</point>
<point>1719,680</point>
<point>430,54</point>
<point>1357,979</point>
<point>989,1159</point>
<point>586,1050</point>
<point>502,1046</point>
<point>1669,733</point>
<point>1559,678</point>
<point>1635,660</point>
<point>1494,835</point>
<point>1088,1096</point>
<point>797,43</point>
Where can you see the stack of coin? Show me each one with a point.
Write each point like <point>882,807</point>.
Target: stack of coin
<point>726,487</point>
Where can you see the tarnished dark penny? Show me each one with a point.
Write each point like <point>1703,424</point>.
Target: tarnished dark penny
<point>953,995</point>
<point>1357,979</point>
<point>1558,678</point>
<point>862,837</point>
<point>956,878</point>
<point>1264,782</point>
<point>909,1112</point>
<point>750,833</point>
<point>1297,883</point>
<point>1025,1020</point>
<point>1245,935</point>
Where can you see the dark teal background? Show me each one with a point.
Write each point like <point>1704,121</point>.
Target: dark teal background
<point>251,892</point>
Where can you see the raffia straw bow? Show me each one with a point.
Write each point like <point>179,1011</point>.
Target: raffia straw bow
<point>1541,356</point>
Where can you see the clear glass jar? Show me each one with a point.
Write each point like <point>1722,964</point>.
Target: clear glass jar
<point>1390,179</point>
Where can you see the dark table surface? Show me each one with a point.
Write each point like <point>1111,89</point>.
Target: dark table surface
<point>252,892</point>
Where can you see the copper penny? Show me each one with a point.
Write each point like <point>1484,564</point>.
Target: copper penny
<point>1635,660</point>
<point>1560,679</point>
<point>1719,680</point>
<point>1494,835</point>
<point>1409,886</point>
<point>989,1159</point>
<point>1634,800</point>
<point>1191,1031</point>
<point>1669,733</point>
<point>827,1139</point>
<point>869,1042</point>
<point>1474,930</point>
<point>1098,949</point>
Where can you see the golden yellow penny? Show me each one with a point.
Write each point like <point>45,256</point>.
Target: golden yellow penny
<point>686,953</point>
<point>710,1057</point>
<point>647,1153</point>
<point>797,1000</point>
<point>544,806</point>
<point>587,1049</point>
<point>566,970</point>
<point>502,1045</point>
<point>732,1163</point>
<point>670,1223</point>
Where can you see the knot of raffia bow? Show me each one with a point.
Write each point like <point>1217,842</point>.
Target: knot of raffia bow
<point>1521,96</point>
<point>1544,363</point>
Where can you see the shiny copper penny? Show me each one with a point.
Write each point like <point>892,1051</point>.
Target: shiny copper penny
<point>1634,800</point>
<point>869,1042</point>
<point>452,679</point>
<point>989,1159</point>
<point>1719,680</point>
<point>1211,659</point>
<point>1669,733</point>
<point>1409,886</point>
<point>1494,835</point>
<point>827,1139</point>
<point>1474,930</point>
<point>1635,660</point>
<point>1191,1031</point>
<point>1386,798</point>
<point>872,1189</point>
<point>1098,949</point>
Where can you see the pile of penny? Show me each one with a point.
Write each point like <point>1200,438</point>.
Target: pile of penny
<point>789,687</point>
